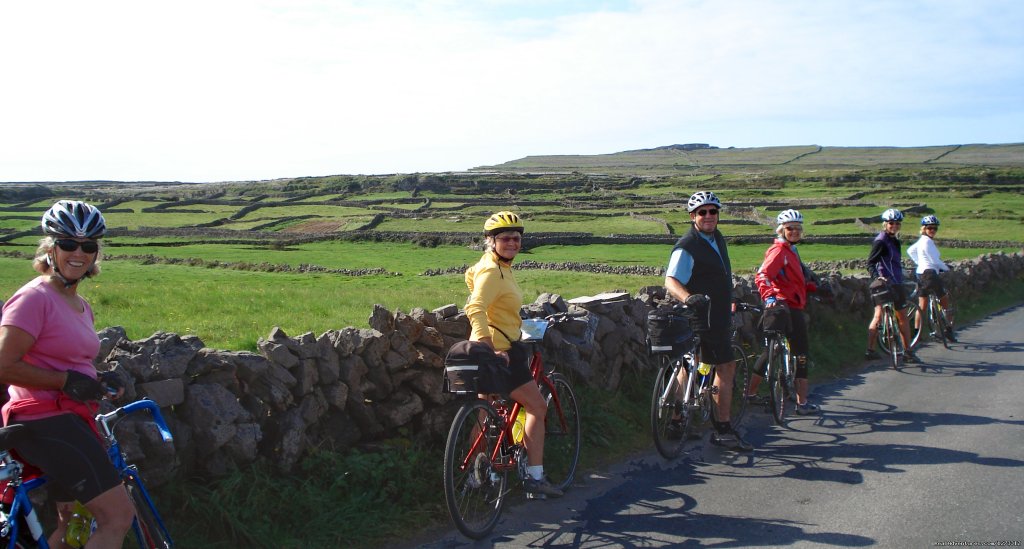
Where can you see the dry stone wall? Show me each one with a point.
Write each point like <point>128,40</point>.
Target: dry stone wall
<point>352,386</point>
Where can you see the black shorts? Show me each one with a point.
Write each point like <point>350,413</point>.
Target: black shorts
<point>519,358</point>
<point>73,458</point>
<point>930,283</point>
<point>716,347</point>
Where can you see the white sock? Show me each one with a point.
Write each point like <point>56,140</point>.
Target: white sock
<point>536,472</point>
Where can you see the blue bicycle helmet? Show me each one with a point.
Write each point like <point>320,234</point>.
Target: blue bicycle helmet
<point>929,220</point>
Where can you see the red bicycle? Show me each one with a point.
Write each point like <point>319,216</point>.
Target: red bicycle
<point>485,442</point>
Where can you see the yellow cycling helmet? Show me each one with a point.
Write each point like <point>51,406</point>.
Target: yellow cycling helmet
<point>501,222</point>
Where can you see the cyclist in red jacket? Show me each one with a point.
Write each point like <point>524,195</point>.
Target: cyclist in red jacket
<point>784,281</point>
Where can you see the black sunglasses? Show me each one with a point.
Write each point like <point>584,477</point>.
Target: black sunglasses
<point>704,213</point>
<point>68,245</point>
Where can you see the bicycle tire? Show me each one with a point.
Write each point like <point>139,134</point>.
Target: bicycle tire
<point>662,411</point>
<point>148,529</point>
<point>938,320</point>
<point>740,382</point>
<point>892,330</point>
<point>561,441</point>
<point>474,492</point>
<point>777,382</point>
<point>916,329</point>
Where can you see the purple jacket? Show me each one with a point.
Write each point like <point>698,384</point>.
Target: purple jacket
<point>884,259</point>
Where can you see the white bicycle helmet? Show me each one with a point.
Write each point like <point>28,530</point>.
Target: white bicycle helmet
<point>929,220</point>
<point>702,198</point>
<point>73,219</point>
<point>892,214</point>
<point>789,216</point>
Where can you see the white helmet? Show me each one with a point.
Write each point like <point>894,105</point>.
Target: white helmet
<point>892,214</point>
<point>790,216</point>
<point>702,198</point>
<point>929,220</point>
<point>74,219</point>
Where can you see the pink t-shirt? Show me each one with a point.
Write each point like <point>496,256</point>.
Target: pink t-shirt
<point>65,338</point>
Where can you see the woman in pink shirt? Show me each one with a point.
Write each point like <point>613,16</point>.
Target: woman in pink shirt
<point>47,346</point>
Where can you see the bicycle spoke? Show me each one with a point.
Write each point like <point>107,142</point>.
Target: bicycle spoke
<point>561,433</point>
<point>474,490</point>
<point>665,409</point>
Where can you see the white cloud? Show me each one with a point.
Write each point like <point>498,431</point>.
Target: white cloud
<point>227,90</point>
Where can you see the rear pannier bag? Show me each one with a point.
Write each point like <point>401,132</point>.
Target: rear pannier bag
<point>471,367</point>
<point>881,293</point>
<point>668,332</point>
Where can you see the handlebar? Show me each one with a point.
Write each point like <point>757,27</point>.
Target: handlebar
<point>106,421</point>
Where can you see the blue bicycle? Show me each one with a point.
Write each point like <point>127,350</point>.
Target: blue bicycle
<point>20,526</point>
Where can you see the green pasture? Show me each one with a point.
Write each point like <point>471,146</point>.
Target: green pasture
<point>231,309</point>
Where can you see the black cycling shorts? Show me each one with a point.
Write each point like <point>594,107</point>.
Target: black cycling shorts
<point>519,358</point>
<point>71,455</point>
<point>930,283</point>
<point>716,347</point>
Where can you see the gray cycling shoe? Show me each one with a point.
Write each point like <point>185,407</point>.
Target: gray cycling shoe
<point>731,440</point>
<point>541,489</point>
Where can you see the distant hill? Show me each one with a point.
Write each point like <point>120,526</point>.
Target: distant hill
<point>701,157</point>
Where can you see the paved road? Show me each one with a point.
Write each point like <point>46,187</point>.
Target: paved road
<point>897,459</point>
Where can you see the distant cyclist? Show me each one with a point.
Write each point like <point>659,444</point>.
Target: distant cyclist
<point>885,262</point>
<point>698,267</point>
<point>47,345</point>
<point>784,281</point>
<point>925,254</point>
<point>493,311</point>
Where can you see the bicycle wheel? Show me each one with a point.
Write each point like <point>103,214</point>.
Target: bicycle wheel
<point>938,320</point>
<point>148,528</point>
<point>473,490</point>
<point>916,321</point>
<point>561,433</point>
<point>740,381</point>
<point>777,387</point>
<point>895,340</point>
<point>664,405</point>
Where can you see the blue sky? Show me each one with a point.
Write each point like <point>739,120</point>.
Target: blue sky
<point>227,90</point>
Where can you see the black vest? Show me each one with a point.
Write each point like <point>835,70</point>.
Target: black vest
<point>712,275</point>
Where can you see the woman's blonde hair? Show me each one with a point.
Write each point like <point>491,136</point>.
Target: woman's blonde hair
<point>41,261</point>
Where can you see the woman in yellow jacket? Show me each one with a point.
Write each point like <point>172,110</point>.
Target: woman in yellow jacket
<point>493,311</point>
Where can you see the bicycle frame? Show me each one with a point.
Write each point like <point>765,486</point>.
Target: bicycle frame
<point>21,506</point>
<point>503,457</point>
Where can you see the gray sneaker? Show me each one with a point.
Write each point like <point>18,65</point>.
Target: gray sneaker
<point>807,409</point>
<point>731,440</point>
<point>541,489</point>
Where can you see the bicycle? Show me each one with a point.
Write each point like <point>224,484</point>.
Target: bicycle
<point>485,441</point>
<point>889,335</point>
<point>19,523</point>
<point>939,326</point>
<point>674,336</point>
<point>912,311</point>
<point>780,369</point>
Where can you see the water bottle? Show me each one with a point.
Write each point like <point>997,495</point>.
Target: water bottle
<point>704,368</point>
<point>79,527</point>
<point>519,427</point>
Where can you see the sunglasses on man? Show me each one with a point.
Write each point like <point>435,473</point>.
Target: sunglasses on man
<point>68,245</point>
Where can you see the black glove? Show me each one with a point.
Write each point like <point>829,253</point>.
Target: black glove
<point>697,301</point>
<point>81,387</point>
<point>111,381</point>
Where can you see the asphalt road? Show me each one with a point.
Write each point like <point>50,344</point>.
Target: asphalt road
<point>913,458</point>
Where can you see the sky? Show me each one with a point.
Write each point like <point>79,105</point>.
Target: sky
<point>237,90</point>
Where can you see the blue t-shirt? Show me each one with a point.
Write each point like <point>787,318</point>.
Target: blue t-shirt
<point>680,263</point>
